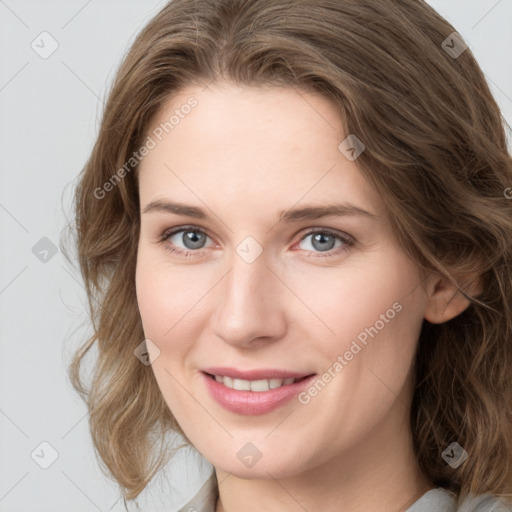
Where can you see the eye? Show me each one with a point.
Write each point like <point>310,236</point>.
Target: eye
<point>323,240</point>
<point>189,241</point>
<point>186,240</point>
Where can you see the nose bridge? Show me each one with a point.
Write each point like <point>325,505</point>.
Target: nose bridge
<point>245,283</point>
<point>247,301</point>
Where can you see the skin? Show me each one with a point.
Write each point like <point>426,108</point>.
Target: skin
<point>245,154</point>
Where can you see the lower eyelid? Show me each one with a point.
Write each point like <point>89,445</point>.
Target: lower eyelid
<point>181,252</point>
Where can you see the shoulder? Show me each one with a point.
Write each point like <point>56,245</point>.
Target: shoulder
<point>484,503</point>
<point>435,500</point>
<point>442,500</point>
<point>205,499</point>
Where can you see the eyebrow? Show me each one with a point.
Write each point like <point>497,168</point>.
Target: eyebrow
<point>292,215</point>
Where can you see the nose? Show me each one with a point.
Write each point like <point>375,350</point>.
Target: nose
<point>249,304</point>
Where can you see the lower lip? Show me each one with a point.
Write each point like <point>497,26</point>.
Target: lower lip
<point>253,403</point>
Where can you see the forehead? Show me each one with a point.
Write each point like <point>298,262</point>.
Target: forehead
<point>251,142</point>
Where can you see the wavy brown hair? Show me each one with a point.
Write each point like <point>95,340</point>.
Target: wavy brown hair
<point>436,151</point>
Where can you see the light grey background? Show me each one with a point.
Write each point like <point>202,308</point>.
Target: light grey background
<point>49,115</point>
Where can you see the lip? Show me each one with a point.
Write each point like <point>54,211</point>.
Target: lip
<point>254,403</point>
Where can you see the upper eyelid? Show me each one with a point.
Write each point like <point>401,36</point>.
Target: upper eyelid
<point>173,231</point>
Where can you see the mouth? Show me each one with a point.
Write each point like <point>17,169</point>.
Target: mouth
<point>254,392</point>
<point>257,385</point>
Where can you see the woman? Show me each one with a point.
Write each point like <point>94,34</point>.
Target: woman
<point>369,374</point>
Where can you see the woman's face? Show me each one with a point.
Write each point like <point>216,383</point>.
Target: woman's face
<point>280,264</point>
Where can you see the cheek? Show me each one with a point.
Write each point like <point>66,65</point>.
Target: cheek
<point>163,293</point>
<point>153,297</point>
<point>164,297</point>
<point>171,301</point>
<point>376,317</point>
<point>360,299</point>
<point>383,323</point>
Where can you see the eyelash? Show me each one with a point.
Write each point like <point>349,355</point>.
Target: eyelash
<point>347,241</point>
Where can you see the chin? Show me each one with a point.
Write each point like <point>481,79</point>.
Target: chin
<point>258,460</point>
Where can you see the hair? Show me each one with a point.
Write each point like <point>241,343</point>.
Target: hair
<point>436,151</point>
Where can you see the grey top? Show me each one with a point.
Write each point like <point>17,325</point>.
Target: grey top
<point>435,500</point>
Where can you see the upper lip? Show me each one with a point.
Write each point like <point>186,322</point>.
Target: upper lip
<point>257,374</point>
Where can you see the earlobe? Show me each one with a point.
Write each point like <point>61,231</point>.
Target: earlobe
<point>445,301</point>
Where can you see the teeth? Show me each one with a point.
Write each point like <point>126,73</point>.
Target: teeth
<point>275,383</point>
<point>259,385</point>
<point>241,385</point>
<point>253,385</point>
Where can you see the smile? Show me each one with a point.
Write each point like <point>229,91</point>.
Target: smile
<point>260,392</point>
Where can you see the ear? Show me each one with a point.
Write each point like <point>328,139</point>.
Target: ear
<point>445,301</point>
